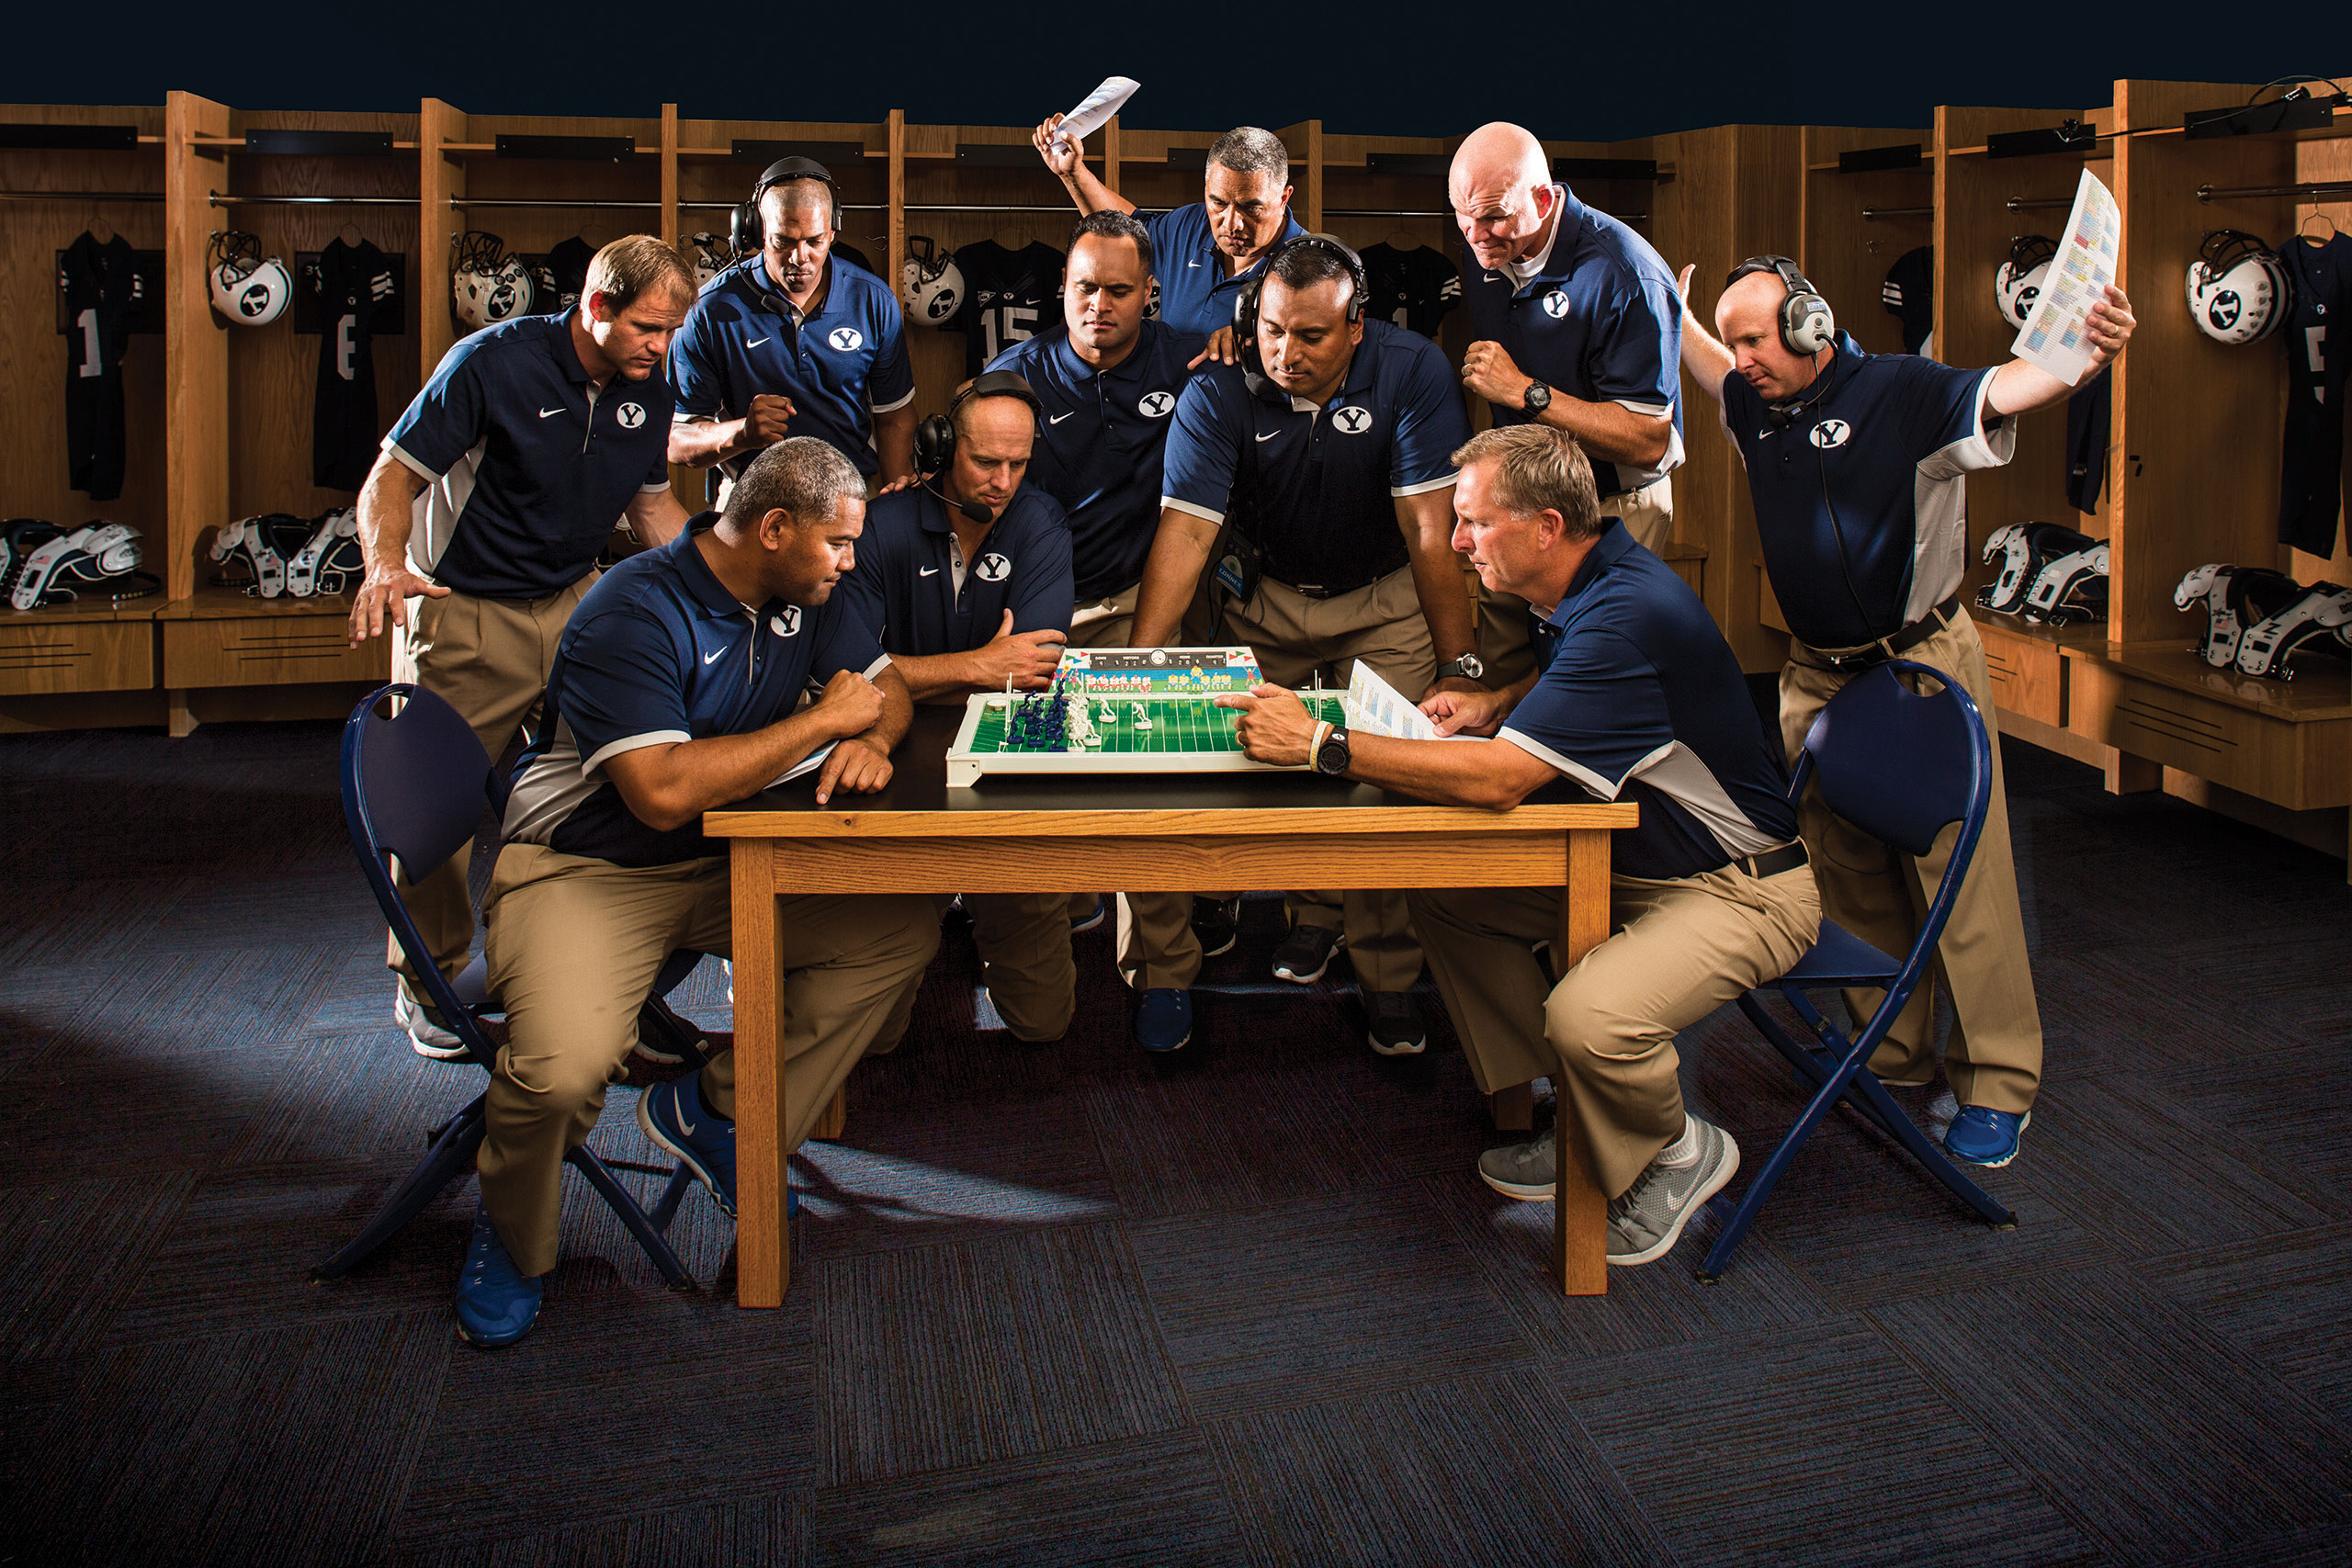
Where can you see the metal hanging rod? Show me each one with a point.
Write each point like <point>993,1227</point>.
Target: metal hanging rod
<point>78,196</point>
<point>1871,214</point>
<point>2034,203</point>
<point>2327,188</point>
<point>219,199</point>
<point>1432,212</point>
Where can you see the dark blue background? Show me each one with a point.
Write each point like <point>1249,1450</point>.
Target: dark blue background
<point>1582,71</point>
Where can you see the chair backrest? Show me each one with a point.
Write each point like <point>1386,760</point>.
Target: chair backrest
<point>1902,765</point>
<point>414,785</point>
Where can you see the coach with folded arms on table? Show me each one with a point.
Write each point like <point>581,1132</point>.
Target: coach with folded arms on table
<point>1857,463</point>
<point>676,692</point>
<point>965,578</point>
<point>1637,698</point>
<point>1324,472</point>
<point>793,341</point>
<point>485,512</point>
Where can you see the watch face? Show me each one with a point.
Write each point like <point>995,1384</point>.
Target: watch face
<point>1539,398</point>
<point>1471,665</point>
<point>1332,758</point>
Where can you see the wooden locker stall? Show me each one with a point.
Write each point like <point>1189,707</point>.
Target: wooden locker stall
<point>2200,480</point>
<point>1735,193</point>
<point>1868,199</point>
<point>718,162</point>
<point>71,667</point>
<point>1985,198</point>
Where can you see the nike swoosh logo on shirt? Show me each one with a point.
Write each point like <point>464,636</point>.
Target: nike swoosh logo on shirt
<point>1192,263</point>
<point>1059,417</point>
<point>755,342</point>
<point>546,414</point>
<point>712,658</point>
<point>928,571</point>
<point>1270,436</point>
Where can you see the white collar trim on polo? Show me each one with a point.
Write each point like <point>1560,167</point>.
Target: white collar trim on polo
<point>1525,272</point>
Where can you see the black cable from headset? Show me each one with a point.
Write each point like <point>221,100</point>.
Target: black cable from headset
<point>1821,465</point>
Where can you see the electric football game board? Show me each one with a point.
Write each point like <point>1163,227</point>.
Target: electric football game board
<point>1120,710</point>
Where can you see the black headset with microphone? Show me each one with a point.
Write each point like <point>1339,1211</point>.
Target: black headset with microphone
<point>1807,324</point>
<point>745,232</point>
<point>1245,303</point>
<point>935,437</point>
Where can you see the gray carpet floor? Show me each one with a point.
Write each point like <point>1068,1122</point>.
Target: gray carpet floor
<point>1071,1304</point>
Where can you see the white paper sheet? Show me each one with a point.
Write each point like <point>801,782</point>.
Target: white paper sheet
<point>808,765</point>
<point>1378,708</point>
<point>2053,337</point>
<point>1096,110</point>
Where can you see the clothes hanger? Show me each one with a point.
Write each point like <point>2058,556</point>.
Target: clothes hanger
<point>2302,230</point>
<point>1403,240</point>
<point>1010,237</point>
<point>99,229</point>
<point>349,234</point>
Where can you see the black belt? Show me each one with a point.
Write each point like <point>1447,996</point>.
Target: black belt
<point>1772,863</point>
<point>1317,591</point>
<point>1895,647</point>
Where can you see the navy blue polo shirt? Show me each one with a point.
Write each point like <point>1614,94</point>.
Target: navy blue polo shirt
<point>1100,440</point>
<point>1195,294</point>
<point>1641,699</point>
<point>1599,319</point>
<point>1315,485</point>
<point>659,651</point>
<point>839,366</point>
<point>528,466</point>
<point>904,585</point>
<point>1861,501</point>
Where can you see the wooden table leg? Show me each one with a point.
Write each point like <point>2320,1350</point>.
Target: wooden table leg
<point>762,1243</point>
<point>1581,1212</point>
<point>1513,1108</point>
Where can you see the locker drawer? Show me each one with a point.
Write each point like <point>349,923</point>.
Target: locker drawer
<point>268,650</point>
<point>2301,764</point>
<point>38,657</point>
<point>2029,675</point>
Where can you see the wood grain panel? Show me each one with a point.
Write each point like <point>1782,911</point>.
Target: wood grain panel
<point>2302,766</point>
<point>439,176</point>
<point>1457,823</point>
<point>1846,256</point>
<point>1051,864</point>
<point>34,464</point>
<point>39,656</point>
<point>195,351</point>
<point>2028,674</point>
<point>1580,1209</point>
<point>267,650</point>
<point>763,1242</point>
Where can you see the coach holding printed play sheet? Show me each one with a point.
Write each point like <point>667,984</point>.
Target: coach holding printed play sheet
<point>1206,252</point>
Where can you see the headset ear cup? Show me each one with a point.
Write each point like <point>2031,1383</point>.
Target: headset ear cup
<point>743,228</point>
<point>1806,324</point>
<point>935,443</point>
<point>1245,325</point>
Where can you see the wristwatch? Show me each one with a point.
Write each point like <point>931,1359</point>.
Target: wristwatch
<point>1538,399</point>
<point>1331,753</point>
<point>1469,667</point>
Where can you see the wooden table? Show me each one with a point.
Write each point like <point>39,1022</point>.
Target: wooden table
<point>1148,833</point>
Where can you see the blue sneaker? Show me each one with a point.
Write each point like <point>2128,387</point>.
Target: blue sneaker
<point>496,1305</point>
<point>1979,1136</point>
<point>1164,1019</point>
<point>674,1116</point>
<point>1088,921</point>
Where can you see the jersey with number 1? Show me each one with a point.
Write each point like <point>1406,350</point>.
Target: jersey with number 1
<point>2310,481</point>
<point>101,286</point>
<point>1009,297</point>
<point>354,282</point>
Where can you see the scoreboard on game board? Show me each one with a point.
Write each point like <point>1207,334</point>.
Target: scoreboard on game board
<point>1158,672</point>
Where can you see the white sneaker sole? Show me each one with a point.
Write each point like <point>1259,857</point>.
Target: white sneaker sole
<point>426,1038</point>
<point>1414,1049</point>
<point>1698,1201</point>
<point>684,1156</point>
<point>1542,1194</point>
<point>2015,1149</point>
<point>1317,973</point>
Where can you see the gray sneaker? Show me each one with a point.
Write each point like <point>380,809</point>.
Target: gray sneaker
<point>1646,1220</point>
<point>1521,1170</point>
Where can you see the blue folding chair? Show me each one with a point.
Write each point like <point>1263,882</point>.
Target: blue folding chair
<point>1901,766</point>
<point>413,781</point>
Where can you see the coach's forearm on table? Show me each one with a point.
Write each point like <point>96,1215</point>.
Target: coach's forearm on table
<point>1492,776</point>
<point>668,786</point>
<point>1170,574</point>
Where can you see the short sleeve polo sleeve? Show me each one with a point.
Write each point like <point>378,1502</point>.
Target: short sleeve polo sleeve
<point>1430,426</point>
<point>1598,714</point>
<point>446,418</point>
<point>624,686</point>
<point>1202,456</point>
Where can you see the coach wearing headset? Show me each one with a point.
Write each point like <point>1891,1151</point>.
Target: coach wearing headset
<point>1317,486</point>
<point>965,578</point>
<point>786,342</point>
<point>1857,463</point>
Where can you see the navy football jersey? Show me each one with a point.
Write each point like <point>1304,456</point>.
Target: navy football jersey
<point>2310,488</point>
<point>354,283</point>
<point>101,286</point>
<point>1909,293</point>
<point>1412,288</point>
<point>1009,297</point>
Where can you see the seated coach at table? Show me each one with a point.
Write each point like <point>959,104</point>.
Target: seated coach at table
<point>1636,697</point>
<point>966,579</point>
<point>674,692</point>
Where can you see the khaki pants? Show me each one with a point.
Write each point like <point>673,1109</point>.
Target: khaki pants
<point>1503,642</point>
<point>1025,962</point>
<point>488,659</point>
<point>574,946</point>
<point>1880,895</point>
<point>1606,1031</point>
<point>1293,635</point>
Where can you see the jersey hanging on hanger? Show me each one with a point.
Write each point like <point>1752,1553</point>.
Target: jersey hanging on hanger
<point>2311,487</point>
<point>2089,416</point>
<point>1909,293</point>
<point>1411,288</point>
<point>101,286</point>
<point>559,276</point>
<point>853,255</point>
<point>1009,297</point>
<point>354,282</point>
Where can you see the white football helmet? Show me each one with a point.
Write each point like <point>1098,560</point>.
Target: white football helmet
<point>711,256</point>
<point>930,286</point>
<point>2237,290</point>
<point>248,289</point>
<point>488,285</point>
<point>2019,282</point>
